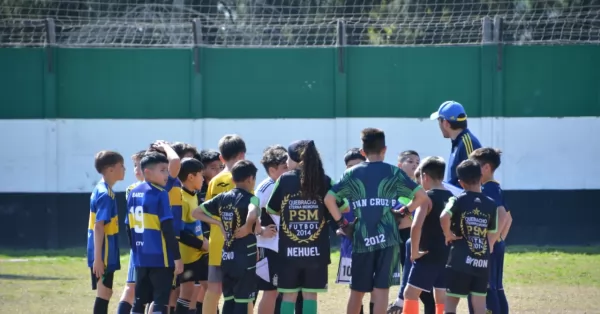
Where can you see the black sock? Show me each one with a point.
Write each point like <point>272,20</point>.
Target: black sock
<point>199,308</point>
<point>171,310</point>
<point>124,308</point>
<point>100,306</point>
<point>449,312</point>
<point>241,308</point>
<point>229,307</point>
<point>138,308</point>
<point>182,307</point>
<point>371,307</point>
<point>362,310</point>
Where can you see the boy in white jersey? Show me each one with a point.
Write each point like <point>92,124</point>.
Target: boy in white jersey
<point>128,295</point>
<point>274,160</point>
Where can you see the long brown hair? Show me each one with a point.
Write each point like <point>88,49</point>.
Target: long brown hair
<point>311,172</point>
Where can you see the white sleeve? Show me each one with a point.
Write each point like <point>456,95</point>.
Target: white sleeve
<point>264,196</point>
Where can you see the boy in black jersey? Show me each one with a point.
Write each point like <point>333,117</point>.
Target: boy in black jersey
<point>303,246</point>
<point>429,253</point>
<point>238,210</point>
<point>470,223</point>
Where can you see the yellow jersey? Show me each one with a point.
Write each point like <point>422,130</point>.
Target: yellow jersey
<point>222,182</point>
<point>190,202</point>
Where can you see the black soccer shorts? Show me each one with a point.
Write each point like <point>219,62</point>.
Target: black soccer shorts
<point>153,284</point>
<point>106,279</point>
<point>240,286</point>
<point>374,269</point>
<point>296,277</point>
<point>460,284</point>
<point>271,257</point>
<point>196,271</point>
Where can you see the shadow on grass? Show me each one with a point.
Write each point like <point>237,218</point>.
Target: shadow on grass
<point>39,253</point>
<point>585,250</point>
<point>28,277</point>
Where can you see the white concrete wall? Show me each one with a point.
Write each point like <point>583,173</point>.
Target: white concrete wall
<point>58,155</point>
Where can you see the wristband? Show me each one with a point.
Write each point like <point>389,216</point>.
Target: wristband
<point>342,223</point>
<point>404,211</point>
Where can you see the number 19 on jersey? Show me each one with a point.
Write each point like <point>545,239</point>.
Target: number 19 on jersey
<point>136,214</point>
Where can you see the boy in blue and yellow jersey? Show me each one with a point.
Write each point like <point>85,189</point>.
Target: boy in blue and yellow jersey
<point>128,295</point>
<point>174,152</point>
<point>151,232</point>
<point>103,228</point>
<point>373,188</point>
<point>235,212</point>
<point>191,241</point>
<point>489,160</point>
<point>232,149</point>
<point>470,223</point>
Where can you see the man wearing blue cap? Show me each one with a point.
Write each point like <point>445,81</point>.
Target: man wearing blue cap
<point>452,119</point>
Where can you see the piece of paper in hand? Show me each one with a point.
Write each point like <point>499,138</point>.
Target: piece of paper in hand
<point>262,269</point>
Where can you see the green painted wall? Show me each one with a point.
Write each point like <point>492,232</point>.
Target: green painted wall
<point>514,81</point>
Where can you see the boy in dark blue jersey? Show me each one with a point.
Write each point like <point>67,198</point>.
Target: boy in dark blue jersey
<point>428,249</point>
<point>373,188</point>
<point>152,236</point>
<point>489,160</point>
<point>470,223</point>
<point>103,228</point>
<point>238,210</point>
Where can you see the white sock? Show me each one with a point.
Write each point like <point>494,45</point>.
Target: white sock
<point>399,302</point>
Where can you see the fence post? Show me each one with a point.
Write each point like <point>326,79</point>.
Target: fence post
<point>341,44</point>
<point>196,105</point>
<point>486,30</point>
<point>498,33</point>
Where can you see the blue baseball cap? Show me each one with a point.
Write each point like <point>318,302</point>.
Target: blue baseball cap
<point>450,111</point>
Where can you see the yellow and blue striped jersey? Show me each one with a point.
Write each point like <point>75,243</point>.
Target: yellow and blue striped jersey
<point>103,209</point>
<point>173,187</point>
<point>148,206</point>
<point>190,224</point>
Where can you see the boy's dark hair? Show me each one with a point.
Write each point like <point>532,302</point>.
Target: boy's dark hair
<point>153,158</point>
<point>487,156</point>
<point>183,149</point>
<point>208,155</point>
<point>311,172</point>
<point>405,154</point>
<point>231,145</point>
<point>352,154</point>
<point>458,125</point>
<point>138,156</point>
<point>434,167</point>
<point>273,156</point>
<point>105,159</point>
<point>243,170</point>
<point>469,172</point>
<point>189,166</point>
<point>373,140</point>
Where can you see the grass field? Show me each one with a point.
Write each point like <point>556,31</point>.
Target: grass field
<point>537,280</point>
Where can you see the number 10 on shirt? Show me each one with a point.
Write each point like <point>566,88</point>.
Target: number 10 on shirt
<point>137,213</point>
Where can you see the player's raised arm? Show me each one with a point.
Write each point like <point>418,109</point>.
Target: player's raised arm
<point>174,160</point>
